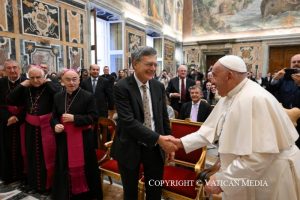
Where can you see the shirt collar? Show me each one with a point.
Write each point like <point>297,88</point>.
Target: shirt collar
<point>237,88</point>
<point>139,83</point>
<point>94,78</point>
<point>197,103</point>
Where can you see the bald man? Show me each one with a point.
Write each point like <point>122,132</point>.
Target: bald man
<point>76,174</point>
<point>287,88</point>
<point>256,139</point>
<point>178,88</point>
<point>36,95</point>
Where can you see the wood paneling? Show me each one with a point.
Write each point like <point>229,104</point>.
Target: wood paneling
<point>280,56</point>
<point>211,60</point>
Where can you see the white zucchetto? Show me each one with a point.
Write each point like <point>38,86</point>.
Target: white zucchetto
<point>234,63</point>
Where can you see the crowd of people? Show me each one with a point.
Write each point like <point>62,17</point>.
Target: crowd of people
<point>47,140</point>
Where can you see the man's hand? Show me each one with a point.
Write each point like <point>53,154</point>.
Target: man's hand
<point>170,157</point>
<point>67,118</point>
<point>12,120</point>
<point>177,142</point>
<point>165,142</point>
<point>59,128</point>
<point>279,74</point>
<point>211,186</point>
<point>175,95</point>
<point>296,78</point>
<point>26,83</point>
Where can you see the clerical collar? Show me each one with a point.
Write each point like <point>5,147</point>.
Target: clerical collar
<point>237,88</point>
<point>139,83</point>
<point>73,93</point>
<point>12,80</point>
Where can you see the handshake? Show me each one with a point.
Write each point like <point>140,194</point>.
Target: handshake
<point>169,143</point>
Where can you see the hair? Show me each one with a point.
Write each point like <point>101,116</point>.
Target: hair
<point>193,87</point>
<point>38,68</point>
<point>10,60</point>
<point>139,52</point>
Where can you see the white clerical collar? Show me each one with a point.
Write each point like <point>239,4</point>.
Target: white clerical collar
<point>139,83</point>
<point>237,88</point>
<point>14,80</point>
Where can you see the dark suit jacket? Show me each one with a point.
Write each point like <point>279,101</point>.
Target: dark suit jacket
<point>203,111</point>
<point>173,87</point>
<point>131,133</point>
<point>103,94</point>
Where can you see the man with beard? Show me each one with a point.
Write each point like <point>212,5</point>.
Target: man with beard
<point>286,87</point>
<point>36,95</point>
<point>11,118</point>
<point>76,171</point>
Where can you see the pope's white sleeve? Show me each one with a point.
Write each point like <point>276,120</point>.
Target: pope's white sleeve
<point>244,168</point>
<point>193,141</point>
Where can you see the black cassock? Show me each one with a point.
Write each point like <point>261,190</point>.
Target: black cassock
<point>11,160</point>
<point>82,105</point>
<point>37,101</point>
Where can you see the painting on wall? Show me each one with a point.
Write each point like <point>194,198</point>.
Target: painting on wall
<point>155,9</point>
<point>250,53</point>
<point>35,53</point>
<point>40,19</point>
<point>179,15</point>
<point>75,58</point>
<point>134,39</point>
<point>169,55</point>
<point>193,57</point>
<point>169,12</point>
<point>7,49</point>
<point>219,16</point>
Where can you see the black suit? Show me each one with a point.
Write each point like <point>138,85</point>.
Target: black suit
<point>135,143</point>
<point>203,111</point>
<point>173,87</point>
<point>103,94</point>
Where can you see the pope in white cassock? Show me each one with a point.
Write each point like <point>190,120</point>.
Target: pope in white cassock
<point>259,159</point>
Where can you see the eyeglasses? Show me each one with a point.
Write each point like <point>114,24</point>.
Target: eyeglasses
<point>150,64</point>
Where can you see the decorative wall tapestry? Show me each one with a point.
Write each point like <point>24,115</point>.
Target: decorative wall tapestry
<point>134,39</point>
<point>169,57</point>
<point>40,19</point>
<point>75,58</point>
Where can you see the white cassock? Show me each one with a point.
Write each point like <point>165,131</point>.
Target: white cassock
<point>259,159</point>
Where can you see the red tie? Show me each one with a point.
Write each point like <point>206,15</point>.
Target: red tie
<point>182,97</point>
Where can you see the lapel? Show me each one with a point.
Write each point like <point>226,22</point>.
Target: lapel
<point>154,98</point>
<point>89,84</point>
<point>176,84</point>
<point>189,108</point>
<point>136,92</point>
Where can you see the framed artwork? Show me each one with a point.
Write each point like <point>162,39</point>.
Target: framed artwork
<point>134,39</point>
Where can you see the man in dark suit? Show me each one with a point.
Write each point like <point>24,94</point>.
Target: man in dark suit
<point>101,89</point>
<point>107,75</point>
<point>197,109</point>
<point>177,89</point>
<point>143,131</point>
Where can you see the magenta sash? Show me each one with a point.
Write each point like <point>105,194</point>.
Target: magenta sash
<point>76,157</point>
<point>48,142</point>
<point>14,110</point>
